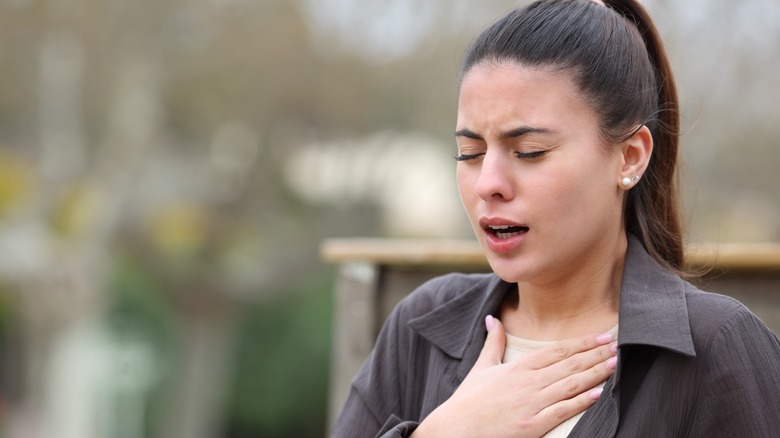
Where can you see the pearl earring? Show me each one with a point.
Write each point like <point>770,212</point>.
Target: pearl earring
<point>627,182</point>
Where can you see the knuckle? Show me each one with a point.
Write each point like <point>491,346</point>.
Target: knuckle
<point>574,365</point>
<point>560,352</point>
<point>598,374</point>
<point>602,370</point>
<point>559,413</point>
<point>571,386</point>
<point>525,423</point>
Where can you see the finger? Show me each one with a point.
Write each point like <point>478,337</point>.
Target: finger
<point>574,384</point>
<point>557,413</point>
<point>580,361</point>
<point>572,372</point>
<point>565,349</point>
<point>493,351</point>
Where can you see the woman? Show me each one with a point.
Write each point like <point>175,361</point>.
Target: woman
<point>567,138</point>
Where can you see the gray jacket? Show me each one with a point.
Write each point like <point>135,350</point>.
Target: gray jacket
<point>690,363</point>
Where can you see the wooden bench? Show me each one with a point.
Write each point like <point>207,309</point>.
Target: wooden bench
<point>374,275</point>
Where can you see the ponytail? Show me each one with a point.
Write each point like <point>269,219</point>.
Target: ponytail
<point>652,208</point>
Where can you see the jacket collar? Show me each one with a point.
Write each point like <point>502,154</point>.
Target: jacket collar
<point>653,308</point>
<point>653,311</point>
<point>457,327</point>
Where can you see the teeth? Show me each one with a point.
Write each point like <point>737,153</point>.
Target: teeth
<point>503,231</point>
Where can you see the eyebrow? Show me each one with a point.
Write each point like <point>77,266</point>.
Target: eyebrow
<point>512,133</point>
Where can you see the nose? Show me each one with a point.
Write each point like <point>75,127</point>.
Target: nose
<point>495,178</point>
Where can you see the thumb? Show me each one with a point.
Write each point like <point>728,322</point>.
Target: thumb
<point>493,351</point>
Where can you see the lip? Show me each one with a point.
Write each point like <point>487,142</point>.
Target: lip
<point>485,222</point>
<point>502,245</point>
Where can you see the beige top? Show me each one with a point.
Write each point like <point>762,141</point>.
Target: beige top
<point>517,348</point>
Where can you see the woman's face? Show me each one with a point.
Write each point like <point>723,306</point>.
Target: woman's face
<point>540,188</point>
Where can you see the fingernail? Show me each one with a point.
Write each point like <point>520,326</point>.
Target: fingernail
<point>489,323</point>
<point>604,338</point>
<point>612,362</point>
<point>596,393</point>
<point>613,348</point>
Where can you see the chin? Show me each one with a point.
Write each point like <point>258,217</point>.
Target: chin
<point>510,269</point>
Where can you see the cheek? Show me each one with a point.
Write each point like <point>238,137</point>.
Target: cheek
<point>465,185</point>
<point>466,180</point>
<point>463,188</point>
<point>580,188</point>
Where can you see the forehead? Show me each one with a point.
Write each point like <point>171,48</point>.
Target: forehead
<point>508,92</point>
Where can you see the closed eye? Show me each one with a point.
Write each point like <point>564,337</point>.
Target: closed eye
<point>466,157</point>
<point>529,155</point>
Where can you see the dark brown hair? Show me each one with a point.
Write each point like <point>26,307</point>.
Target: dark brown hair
<point>617,59</point>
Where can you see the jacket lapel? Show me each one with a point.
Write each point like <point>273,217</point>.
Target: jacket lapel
<point>653,314</point>
<point>653,308</point>
<point>602,419</point>
<point>457,328</point>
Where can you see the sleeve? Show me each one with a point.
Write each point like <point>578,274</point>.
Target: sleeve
<point>373,408</point>
<point>741,391</point>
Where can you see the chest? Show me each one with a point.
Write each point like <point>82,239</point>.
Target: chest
<point>657,394</point>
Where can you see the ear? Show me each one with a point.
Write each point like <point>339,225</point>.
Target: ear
<point>636,152</point>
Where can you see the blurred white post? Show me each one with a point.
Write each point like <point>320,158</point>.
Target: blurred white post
<point>354,323</point>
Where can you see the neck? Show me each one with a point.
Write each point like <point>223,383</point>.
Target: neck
<point>584,301</point>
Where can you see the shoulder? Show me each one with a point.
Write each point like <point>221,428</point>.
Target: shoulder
<point>719,321</point>
<point>709,309</point>
<point>737,358</point>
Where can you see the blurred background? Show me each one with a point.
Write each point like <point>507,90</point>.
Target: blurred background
<point>168,169</point>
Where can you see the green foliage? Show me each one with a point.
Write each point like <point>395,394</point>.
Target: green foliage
<point>281,380</point>
<point>136,294</point>
<point>138,308</point>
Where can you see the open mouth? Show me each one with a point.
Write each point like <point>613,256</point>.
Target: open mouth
<point>505,231</point>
